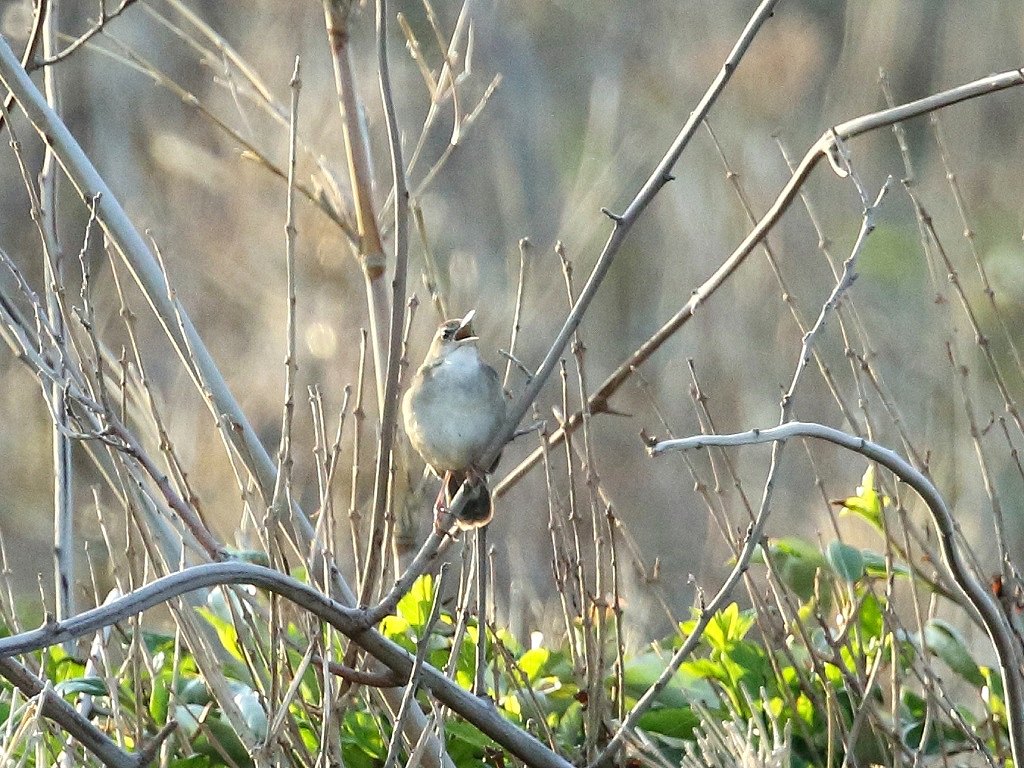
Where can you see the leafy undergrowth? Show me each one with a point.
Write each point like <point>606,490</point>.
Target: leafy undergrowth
<point>840,673</point>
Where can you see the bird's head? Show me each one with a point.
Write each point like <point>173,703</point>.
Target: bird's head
<point>452,334</point>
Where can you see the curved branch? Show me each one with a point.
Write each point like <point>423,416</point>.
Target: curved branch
<point>996,623</point>
<point>598,401</point>
<point>351,622</point>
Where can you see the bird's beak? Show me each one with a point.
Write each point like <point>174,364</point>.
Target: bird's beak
<point>465,330</point>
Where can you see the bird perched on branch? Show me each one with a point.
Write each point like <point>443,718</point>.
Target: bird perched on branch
<point>454,407</point>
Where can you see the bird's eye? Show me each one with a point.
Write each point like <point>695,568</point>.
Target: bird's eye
<point>449,334</point>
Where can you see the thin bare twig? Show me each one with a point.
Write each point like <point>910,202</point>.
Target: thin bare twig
<point>77,725</point>
<point>390,393</point>
<point>144,267</point>
<point>480,652</point>
<point>358,416</point>
<point>53,275</point>
<point>422,646</point>
<point>622,224</point>
<point>524,248</point>
<point>433,280</point>
<point>446,76</point>
<point>98,26</point>
<point>591,606</point>
<point>282,489</point>
<point>249,151</point>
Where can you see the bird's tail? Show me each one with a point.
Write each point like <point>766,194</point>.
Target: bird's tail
<point>479,509</point>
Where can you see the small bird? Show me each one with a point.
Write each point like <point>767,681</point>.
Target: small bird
<point>454,407</point>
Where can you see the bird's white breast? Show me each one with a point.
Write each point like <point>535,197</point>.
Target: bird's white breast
<point>453,410</point>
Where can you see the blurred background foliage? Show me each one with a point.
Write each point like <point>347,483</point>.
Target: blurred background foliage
<point>590,95</point>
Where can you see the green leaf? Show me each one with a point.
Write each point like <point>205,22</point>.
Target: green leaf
<point>867,504</point>
<point>791,547</point>
<point>254,556</point>
<point>941,737</point>
<point>512,707</point>
<point>687,685</point>
<point>225,629</point>
<point>797,562</point>
<point>397,628</point>
<point>676,722</point>
<point>466,744</point>
<point>93,686</point>
<point>188,720</point>
<point>415,604</point>
<point>251,709</point>
<point>876,567</point>
<point>570,727</point>
<point>916,706</point>
<point>996,695</point>
<point>748,665</point>
<point>533,662</point>
<point>942,639</point>
<point>805,709</point>
<point>707,669</point>
<point>870,616</point>
<point>157,642</point>
<point>64,667</point>
<point>195,691</point>
<point>728,626</point>
<point>159,698</point>
<point>361,742</point>
<point>846,561</point>
<point>192,761</point>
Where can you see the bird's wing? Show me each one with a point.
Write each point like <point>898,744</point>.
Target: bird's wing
<point>494,383</point>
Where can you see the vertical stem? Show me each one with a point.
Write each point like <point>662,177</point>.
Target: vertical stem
<point>357,152</point>
<point>53,271</point>
<point>524,246</point>
<point>389,411</point>
<point>284,457</point>
<point>358,415</point>
<point>479,678</point>
<point>409,696</point>
<point>281,502</point>
<point>595,675</point>
<point>587,666</point>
